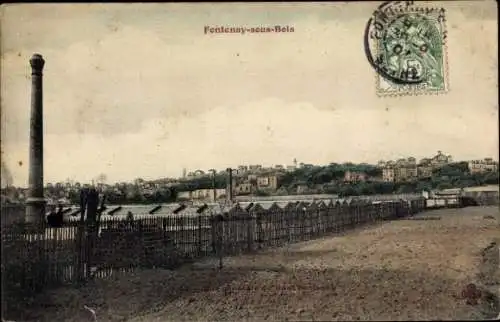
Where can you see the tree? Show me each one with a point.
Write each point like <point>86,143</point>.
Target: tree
<point>406,188</point>
<point>327,179</point>
<point>491,178</point>
<point>322,176</point>
<point>423,186</point>
<point>444,185</point>
<point>261,193</point>
<point>457,169</point>
<point>366,188</point>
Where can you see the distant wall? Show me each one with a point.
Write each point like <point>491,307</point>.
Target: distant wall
<point>484,198</point>
<point>284,198</point>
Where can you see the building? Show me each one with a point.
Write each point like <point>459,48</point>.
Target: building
<point>352,176</point>
<point>424,161</point>
<point>255,167</point>
<point>411,161</point>
<point>388,174</point>
<point>306,165</point>
<point>388,170</point>
<point>195,174</point>
<point>184,195</point>
<point>201,194</point>
<point>241,170</point>
<point>244,188</point>
<point>400,170</point>
<point>482,166</point>
<point>408,169</point>
<point>267,182</point>
<point>424,168</point>
<point>440,160</point>
<point>424,171</point>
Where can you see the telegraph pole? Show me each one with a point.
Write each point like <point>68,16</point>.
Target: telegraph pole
<point>230,184</point>
<point>213,185</point>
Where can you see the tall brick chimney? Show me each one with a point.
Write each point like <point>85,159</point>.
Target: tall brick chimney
<point>35,203</point>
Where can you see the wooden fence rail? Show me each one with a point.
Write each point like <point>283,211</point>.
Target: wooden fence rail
<point>32,262</point>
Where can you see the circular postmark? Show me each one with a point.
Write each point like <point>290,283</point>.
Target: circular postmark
<point>404,45</point>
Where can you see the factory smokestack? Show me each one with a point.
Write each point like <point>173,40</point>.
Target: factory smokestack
<point>35,203</point>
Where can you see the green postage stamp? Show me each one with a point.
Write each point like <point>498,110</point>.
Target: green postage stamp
<point>405,43</point>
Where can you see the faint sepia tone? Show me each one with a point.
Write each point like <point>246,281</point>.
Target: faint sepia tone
<point>259,161</point>
<point>142,87</point>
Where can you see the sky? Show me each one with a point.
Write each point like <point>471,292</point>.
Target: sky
<point>139,90</point>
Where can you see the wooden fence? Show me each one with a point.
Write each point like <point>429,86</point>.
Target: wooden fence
<point>72,254</point>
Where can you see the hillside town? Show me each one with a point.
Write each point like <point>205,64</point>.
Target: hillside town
<point>403,175</point>
<point>319,162</point>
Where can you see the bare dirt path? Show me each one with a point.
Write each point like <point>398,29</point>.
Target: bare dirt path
<point>401,270</point>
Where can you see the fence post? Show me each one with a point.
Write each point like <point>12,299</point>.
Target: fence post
<point>351,213</point>
<point>253,222</point>
<point>358,217</point>
<point>364,213</point>
<point>220,239</point>
<point>335,218</point>
<point>303,228</point>
<point>279,216</point>
<point>311,229</point>
<point>349,216</point>
<point>200,241</point>
<point>217,238</point>
<point>260,229</point>
<point>213,234</point>
<point>286,225</point>
<point>321,227</point>
<point>92,205</point>
<point>79,265</point>
<point>308,218</point>
<point>338,218</point>
<point>314,222</point>
<point>164,226</point>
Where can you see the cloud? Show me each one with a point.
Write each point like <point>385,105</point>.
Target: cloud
<point>131,92</point>
<point>269,130</point>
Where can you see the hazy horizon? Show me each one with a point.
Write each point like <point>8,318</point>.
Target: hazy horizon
<point>139,90</point>
<point>103,177</point>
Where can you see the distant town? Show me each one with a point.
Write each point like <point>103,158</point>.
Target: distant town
<point>404,175</point>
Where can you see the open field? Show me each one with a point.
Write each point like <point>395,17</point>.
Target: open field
<point>407,269</point>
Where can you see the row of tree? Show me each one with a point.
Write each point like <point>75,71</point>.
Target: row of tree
<point>318,179</point>
<point>453,175</point>
<point>329,179</point>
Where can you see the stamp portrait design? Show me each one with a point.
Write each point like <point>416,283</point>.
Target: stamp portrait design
<point>406,45</point>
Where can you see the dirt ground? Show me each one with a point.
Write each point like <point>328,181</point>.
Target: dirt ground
<point>401,270</point>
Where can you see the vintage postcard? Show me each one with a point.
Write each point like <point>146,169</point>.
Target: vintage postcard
<point>250,161</point>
